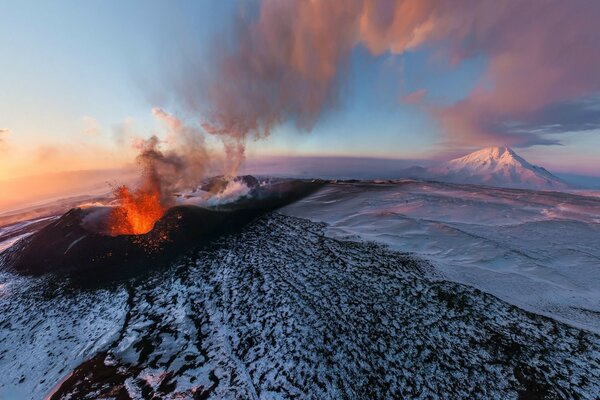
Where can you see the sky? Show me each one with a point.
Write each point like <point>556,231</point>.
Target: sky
<point>398,79</point>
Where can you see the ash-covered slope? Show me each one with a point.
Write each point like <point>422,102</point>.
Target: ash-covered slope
<point>283,311</point>
<point>493,166</point>
<point>78,242</point>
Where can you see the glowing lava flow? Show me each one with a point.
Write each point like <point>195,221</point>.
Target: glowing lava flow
<point>137,211</point>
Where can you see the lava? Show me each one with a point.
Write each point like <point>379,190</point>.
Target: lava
<point>137,211</point>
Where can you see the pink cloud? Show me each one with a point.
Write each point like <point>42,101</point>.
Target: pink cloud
<point>287,62</point>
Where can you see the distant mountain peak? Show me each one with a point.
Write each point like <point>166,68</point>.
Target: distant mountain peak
<point>495,166</point>
<point>493,157</point>
<point>495,151</point>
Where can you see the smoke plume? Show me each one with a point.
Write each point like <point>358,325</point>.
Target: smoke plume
<point>285,62</point>
<point>186,159</point>
<point>178,162</point>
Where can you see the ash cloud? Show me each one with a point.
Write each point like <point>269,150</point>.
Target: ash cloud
<point>159,170</point>
<point>285,62</point>
<point>179,161</point>
<point>182,164</point>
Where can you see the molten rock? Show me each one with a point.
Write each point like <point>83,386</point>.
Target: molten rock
<point>136,213</point>
<point>83,239</point>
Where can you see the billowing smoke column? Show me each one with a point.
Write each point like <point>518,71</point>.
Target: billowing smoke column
<point>285,63</point>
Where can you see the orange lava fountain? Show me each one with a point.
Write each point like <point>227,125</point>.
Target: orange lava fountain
<point>137,211</point>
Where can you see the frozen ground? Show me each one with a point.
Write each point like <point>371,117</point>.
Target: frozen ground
<point>355,292</point>
<point>538,250</point>
<point>281,310</point>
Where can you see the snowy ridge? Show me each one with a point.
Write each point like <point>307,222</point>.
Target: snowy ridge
<point>495,166</point>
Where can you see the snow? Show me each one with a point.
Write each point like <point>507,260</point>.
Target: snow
<point>10,234</point>
<point>282,310</point>
<point>47,329</point>
<point>537,250</point>
<point>494,166</point>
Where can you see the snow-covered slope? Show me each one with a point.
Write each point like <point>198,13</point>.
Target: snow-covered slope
<point>495,166</point>
<point>282,311</point>
<point>537,250</point>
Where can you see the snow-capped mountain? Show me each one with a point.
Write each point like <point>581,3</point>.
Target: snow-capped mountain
<point>493,166</point>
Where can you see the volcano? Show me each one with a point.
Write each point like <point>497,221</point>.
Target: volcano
<point>80,240</point>
<point>492,166</point>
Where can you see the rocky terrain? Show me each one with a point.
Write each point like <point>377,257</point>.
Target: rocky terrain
<point>280,310</point>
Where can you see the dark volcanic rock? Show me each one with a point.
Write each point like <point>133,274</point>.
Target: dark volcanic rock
<point>280,310</point>
<point>69,244</point>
